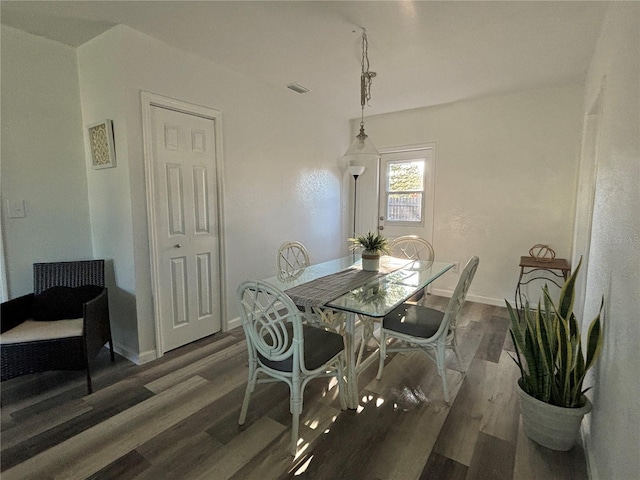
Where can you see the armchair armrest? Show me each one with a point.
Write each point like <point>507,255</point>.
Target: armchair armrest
<point>97,330</point>
<point>16,311</point>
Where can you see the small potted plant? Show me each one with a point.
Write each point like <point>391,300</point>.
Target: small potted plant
<point>552,367</point>
<point>373,245</point>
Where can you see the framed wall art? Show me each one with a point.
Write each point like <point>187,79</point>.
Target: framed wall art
<point>103,153</point>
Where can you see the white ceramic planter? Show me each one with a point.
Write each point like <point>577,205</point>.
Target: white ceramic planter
<point>370,261</point>
<point>549,425</point>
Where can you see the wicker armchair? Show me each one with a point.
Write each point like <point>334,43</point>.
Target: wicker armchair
<point>61,344</point>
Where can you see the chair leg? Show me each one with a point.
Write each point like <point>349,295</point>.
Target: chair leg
<point>442,371</point>
<point>383,354</point>
<point>295,425</point>
<point>89,386</point>
<point>296,409</point>
<point>455,351</point>
<point>251,385</point>
<point>341,385</point>
<point>454,346</point>
<point>113,358</point>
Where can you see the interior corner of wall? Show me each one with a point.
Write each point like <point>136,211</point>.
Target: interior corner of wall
<point>585,438</point>
<point>135,357</point>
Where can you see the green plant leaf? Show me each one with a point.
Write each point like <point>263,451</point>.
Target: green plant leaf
<point>517,359</point>
<point>567,294</point>
<point>594,339</point>
<point>532,356</point>
<point>516,330</point>
<point>564,361</point>
<point>578,375</point>
<point>372,241</point>
<point>516,336</point>
<point>546,355</point>
<point>549,318</point>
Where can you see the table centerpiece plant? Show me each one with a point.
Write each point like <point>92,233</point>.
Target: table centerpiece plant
<point>552,366</point>
<point>373,245</point>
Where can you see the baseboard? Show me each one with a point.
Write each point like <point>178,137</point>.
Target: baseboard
<point>233,323</point>
<point>135,357</point>
<point>148,356</point>
<point>472,298</point>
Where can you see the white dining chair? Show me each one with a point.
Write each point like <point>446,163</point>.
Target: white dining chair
<point>413,247</point>
<point>282,348</point>
<point>425,329</point>
<point>293,258</point>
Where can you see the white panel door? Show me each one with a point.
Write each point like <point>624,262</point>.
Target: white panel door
<point>184,160</point>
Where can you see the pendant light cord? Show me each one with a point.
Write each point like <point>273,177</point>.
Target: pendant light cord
<point>365,78</point>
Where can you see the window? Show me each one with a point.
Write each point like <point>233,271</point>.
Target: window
<point>405,191</point>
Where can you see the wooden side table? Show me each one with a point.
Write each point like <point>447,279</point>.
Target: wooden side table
<point>531,269</point>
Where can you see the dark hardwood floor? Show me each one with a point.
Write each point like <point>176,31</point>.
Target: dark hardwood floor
<point>176,418</point>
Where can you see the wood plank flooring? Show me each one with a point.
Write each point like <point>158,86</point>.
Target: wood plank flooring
<point>176,418</point>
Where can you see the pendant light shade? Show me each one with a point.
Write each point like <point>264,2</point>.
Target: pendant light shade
<point>361,148</point>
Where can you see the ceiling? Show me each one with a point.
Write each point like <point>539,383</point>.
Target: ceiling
<point>424,52</point>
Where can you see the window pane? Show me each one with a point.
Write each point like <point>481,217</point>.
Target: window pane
<point>406,176</point>
<point>404,207</point>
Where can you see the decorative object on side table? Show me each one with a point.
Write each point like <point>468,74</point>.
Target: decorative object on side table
<point>373,245</point>
<point>552,367</point>
<point>542,253</point>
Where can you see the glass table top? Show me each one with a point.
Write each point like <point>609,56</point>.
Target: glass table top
<point>378,294</point>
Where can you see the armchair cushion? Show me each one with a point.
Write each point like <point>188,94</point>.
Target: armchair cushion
<point>32,331</point>
<point>62,303</point>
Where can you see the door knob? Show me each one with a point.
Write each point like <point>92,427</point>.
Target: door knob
<point>178,245</point>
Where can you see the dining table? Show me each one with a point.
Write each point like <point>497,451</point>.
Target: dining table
<point>343,287</point>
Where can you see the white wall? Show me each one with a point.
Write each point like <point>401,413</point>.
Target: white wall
<point>506,169</point>
<point>102,84</point>
<point>42,157</point>
<point>281,159</point>
<point>612,430</point>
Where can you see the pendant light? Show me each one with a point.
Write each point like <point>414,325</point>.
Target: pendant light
<point>362,149</point>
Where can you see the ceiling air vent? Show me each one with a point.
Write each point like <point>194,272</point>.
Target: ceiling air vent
<point>296,87</point>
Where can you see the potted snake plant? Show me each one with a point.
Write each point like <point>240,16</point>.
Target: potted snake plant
<point>552,365</point>
<point>373,245</point>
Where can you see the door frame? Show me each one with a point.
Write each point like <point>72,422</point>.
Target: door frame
<point>150,100</point>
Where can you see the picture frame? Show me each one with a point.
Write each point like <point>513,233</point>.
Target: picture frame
<point>101,142</point>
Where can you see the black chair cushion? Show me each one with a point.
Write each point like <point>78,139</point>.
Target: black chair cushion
<point>62,303</point>
<point>414,320</point>
<point>320,346</point>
